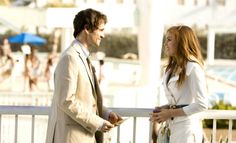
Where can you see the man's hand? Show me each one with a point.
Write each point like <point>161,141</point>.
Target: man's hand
<point>106,126</point>
<point>113,117</point>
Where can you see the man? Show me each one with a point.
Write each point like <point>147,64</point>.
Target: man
<point>77,111</point>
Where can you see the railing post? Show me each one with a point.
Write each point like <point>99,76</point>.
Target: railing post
<point>16,127</point>
<point>150,132</point>
<point>118,134</point>
<point>134,130</point>
<point>0,126</point>
<point>230,131</point>
<point>32,128</point>
<point>214,131</point>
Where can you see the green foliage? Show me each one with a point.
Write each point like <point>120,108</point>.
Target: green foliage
<point>116,45</point>
<point>223,106</point>
<point>203,43</point>
<point>226,46</point>
<point>208,123</point>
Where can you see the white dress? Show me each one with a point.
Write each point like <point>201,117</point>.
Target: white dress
<point>187,129</point>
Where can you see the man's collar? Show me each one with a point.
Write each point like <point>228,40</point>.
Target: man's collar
<point>85,50</point>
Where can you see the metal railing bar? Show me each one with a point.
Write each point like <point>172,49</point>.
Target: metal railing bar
<point>32,128</point>
<point>16,127</point>
<point>134,129</point>
<point>24,110</point>
<point>217,114</point>
<point>230,136</point>
<point>134,112</point>
<point>0,127</point>
<point>125,112</point>
<point>118,134</point>
<point>150,132</point>
<point>214,131</point>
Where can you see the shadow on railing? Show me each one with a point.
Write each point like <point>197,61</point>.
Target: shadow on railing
<point>33,114</point>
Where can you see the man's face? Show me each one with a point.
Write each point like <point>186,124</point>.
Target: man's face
<point>94,37</point>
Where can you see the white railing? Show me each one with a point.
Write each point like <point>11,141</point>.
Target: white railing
<point>221,114</point>
<point>135,113</point>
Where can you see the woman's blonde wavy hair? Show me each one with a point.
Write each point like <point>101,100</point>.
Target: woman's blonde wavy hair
<point>188,49</point>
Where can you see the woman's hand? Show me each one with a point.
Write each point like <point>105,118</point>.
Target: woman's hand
<point>161,116</point>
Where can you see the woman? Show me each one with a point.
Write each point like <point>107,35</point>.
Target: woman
<point>185,86</point>
<point>6,64</point>
<point>32,70</point>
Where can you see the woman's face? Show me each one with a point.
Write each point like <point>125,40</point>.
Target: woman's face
<point>170,45</point>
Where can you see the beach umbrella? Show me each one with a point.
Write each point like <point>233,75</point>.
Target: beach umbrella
<point>27,38</point>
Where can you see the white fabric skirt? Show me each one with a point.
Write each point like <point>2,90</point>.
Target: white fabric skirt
<point>188,131</point>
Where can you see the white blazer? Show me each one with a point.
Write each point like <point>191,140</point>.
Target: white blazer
<point>192,92</point>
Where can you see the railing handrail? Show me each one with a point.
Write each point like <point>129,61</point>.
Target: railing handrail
<point>24,110</point>
<point>134,112</point>
<point>219,114</point>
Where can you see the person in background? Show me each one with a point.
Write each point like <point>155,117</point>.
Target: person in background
<point>6,64</point>
<point>101,72</point>
<point>32,68</point>
<point>7,47</point>
<point>50,68</point>
<point>185,86</point>
<point>77,113</point>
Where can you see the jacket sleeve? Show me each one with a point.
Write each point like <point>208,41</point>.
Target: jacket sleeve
<point>198,89</point>
<point>68,102</point>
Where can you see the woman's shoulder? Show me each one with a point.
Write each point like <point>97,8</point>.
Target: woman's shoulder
<point>193,66</point>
